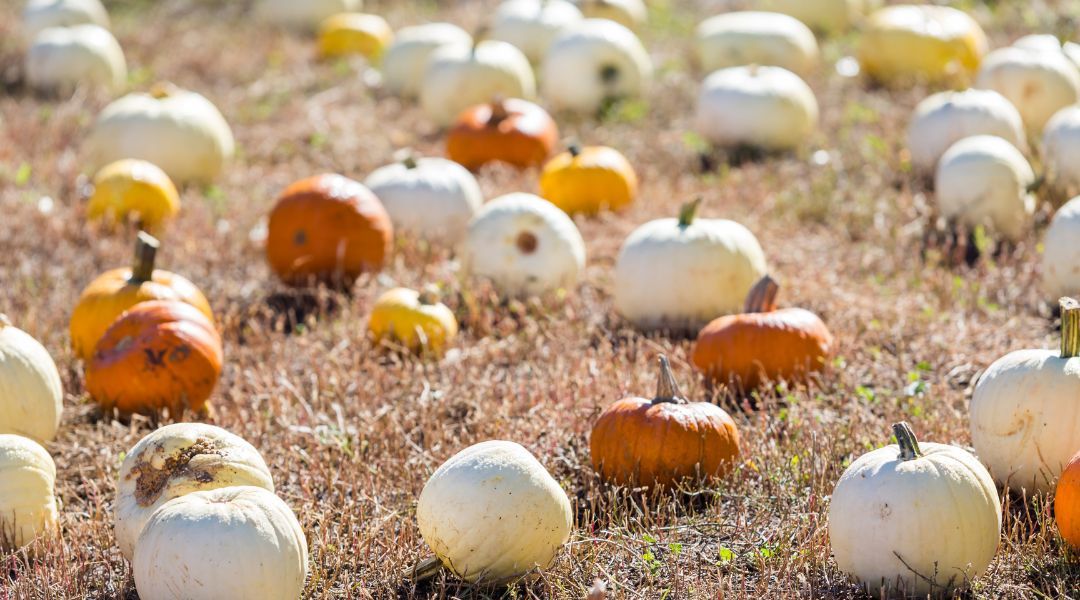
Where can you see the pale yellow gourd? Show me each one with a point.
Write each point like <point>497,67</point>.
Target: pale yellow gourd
<point>27,500</point>
<point>31,393</point>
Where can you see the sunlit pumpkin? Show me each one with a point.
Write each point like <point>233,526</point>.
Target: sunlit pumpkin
<point>944,118</point>
<point>62,59</point>
<point>354,33</point>
<point>1061,253</point>
<point>589,180</point>
<point>31,393</point>
<point>907,42</point>
<point>512,131</point>
<point>458,77</point>
<point>1067,503</point>
<point>628,13</point>
<point>415,320</point>
<point>983,180</point>
<point>826,16</point>
<point>406,59</point>
<point>532,25</point>
<point>131,188</point>
<point>766,108</point>
<point>1061,151</point>
<point>738,38</point>
<point>41,14</point>
<point>27,497</point>
<point>1037,82</point>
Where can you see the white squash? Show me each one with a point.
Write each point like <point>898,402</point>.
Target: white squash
<point>431,198</point>
<point>27,498</point>
<point>493,513</point>
<point>31,394</point>
<point>64,58</point>
<point>910,519</point>
<point>827,16</point>
<point>532,25</point>
<point>1044,42</point>
<point>679,274</point>
<point>303,15</point>
<point>762,107</point>
<point>241,543</point>
<point>180,131</point>
<point>42,14</point>
<point>175,460</point>
<point>406,59</point>
<point>1038,83</point>
<point>1061,151</point>
<point>593,62</point>
<point>985,180</point>
<point>628,13</point>
<point>906,42</point>
<point>525,245</point>
<point>1025,419</point>
<point>458,77</point>
<point>945,118</point>
<point>1061,253</point>
<point>756,38</point>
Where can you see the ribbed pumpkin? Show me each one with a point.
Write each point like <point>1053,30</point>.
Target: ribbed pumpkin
<point>117,290</point>
<point>348,34</point>
<point>327,229</point>
<point>513,131</point>
<point>764,344</point>
<point>133,188</point>
<point>160,355</point>
<point>589,180</point>
<point>416,320</point>
<point>663,440</point>
<point>1067,503</point>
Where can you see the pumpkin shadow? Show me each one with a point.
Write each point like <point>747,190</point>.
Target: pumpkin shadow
<point>284,310</point>
<point>441,583</point>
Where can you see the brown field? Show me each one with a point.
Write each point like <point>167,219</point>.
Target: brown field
<point>351,432</point>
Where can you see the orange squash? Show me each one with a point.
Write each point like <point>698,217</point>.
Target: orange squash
<point>515,132</point>
<point>589,180</point>
<point>327,229</point>
<point>763,344</point>
<point>117,290</point>
<point>160,355</point>
<point>664,440</point>
<point>1067,503</point>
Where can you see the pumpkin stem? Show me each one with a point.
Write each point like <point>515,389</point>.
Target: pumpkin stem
<point>905,438</point>
<point>762,297</point>
<point>4,321</point>
<point>667,389</point>
<point>163,89</point>
<point>574,148</point>
<point>409,160</point>
<point>688,212</point>
<point>1070,328</point>
<point>146,247</point>
<point>429,295</point>
<point>499,113</point>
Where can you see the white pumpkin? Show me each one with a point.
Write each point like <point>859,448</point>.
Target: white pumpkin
<point>1061,253</point>
<point>27,499</point>
<point>945,118</point>
<point>31,394</point>
<point>42,14</point>
<point>985,180</point>
<point>828,16</point>
<point>525,245</point>
<point>593,62</point>
<point>241,543</point>
<point>628,13</point>
<point>1025,419</point>
<point>492,513</point>
<point>914,518</point>
<point>431,198</point>
<point>1038,83</point>
<point>406,59</point>
<point>304,15</point>
<point>458,77</point>
<point>769,108</point>
<point>64,58</point>
<point>763,38</point>
<point>1044,42</point>
<point>180,131</point>
<point>532,25</point>
<point>175,460</point>
<point>1061,151</point>
<point>681,273</point>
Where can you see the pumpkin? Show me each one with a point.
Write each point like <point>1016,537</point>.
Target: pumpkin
<point>906,42</point>
<point>1067,503</point>
<point>62,59</point>
<point>406,59</point>
<point>1044,42</point>
<point>117,290</point>
<point>1039,83</point>
<point>27,500</point>
<point>1025,425</point>
<point>827,16</point>
<point>417,321</point>
<point>628,13</point>
<point>764,38</point>
<point>42,14</point>
<point>242,543</point>
<point>177,130</point>
<point>175,460</point>
<point>589,180</point>
<point>679,274</point>
<point>31,394</point>
<point>492,513</point>
<point>132,188</point>
<point>524,245</point>
<point>985,180</point>
<point>663,441</point>
<point>913,519</point>
<point>354,33</point>
<point>945,118</point>
<point>1061,253</point>
<point>763,344</point>
<point>593,63</point>
<point>302,16</point>
<point>457,78</point>
<point>431,198</point>
<point>768,108</point>
<point>512,131</point>
<point>1061,151</point>
<point>532,25</point>
<point>159,355</point>
<point>327,229</point>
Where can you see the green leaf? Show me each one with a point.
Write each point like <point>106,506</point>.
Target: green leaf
<point>726,554</point>
<point>22,176</point>
<point>648,539</point>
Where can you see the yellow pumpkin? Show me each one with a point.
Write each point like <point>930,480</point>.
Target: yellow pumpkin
<point>589,180</point>
<point>906,41</point>
<point>354,33</point>
<point>413,319</point>
<point>131,188</point>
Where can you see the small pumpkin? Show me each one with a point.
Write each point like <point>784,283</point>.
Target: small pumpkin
<point>159,355</point>
<point>945,118</point>
<point>665,440</point>
<point>511,131</point>
<point>1067,503</point>
<point>31,393</point>
<point>767,108</point>
<point>1061,253</point>
<point>27,496</point>
<point>907,42</point>
<point>532,25</point>
<point>302,16</point>
<point>131,188</point>
<point>1061,151</point>
<point>354,33</point>
<point>1038,83</point>
<point>327,229</point>
<point>629,13</point>
<point>416,320</point>
<point>589,180</point>
<point>42,14</point>
<point>61,59</point>
<point>406,59</point>
<point>741,38</point>
<point>593,63</point>
<point>985,180</point>
<point>826,16</point>
<point>457,78</point>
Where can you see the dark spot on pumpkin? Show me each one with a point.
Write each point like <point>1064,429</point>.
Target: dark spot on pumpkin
<point>180,353</point>
<point>150,481</point>
<point>154,359</point>
<point>527,242</point>
<point>609,74</point>
<point>300,238</point>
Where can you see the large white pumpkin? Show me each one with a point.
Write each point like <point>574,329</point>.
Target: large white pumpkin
<point>1045,42</point>
<point>1061,151</point>
<point>628,13</point>
<point>945,118</point>
<point>828,16</point>
<point>27,499</point>
<point>1038,83</point>
<point>406,59</point>
<point>304,15</point>
<point>458,77</point>
<point>1061,254</point>
<point>532,25</point>
<point>985,180</point>
<point>681,273</point>
<point>241,543</point>
<point>493,513</point>
<point>180,131</point>
<point>756,38</point>
<point>64,58</point>
<point>42,14</point>
<point>914,518</point>
<point>769,108</point>
<point>525,245</point>
<point>175,460</point>
<point>31,394</point>
<point>431,198</point>
<point>591,63</point>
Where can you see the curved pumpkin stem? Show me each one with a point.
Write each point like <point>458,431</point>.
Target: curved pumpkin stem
<point>905,438</point>
<point>689,211</point>
<point>408,159</point>
<point>163,89</point>
<point>573,146</point>
<point>146,247</point>
<point>429,295</point>
<point>762,297</point>
<point>1070,328</point>
<point>498,111</point>
<point>667,389</point>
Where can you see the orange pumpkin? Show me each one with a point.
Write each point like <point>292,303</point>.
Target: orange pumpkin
<point>1067,503</point>
<point>513,131</point>
<point>327,229</point>
<point>763,344</point>
<point>115,291</point>
<point>663,440</point>
<point>160,355</point>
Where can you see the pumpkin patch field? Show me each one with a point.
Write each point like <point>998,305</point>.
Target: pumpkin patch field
<point>574,299</point>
